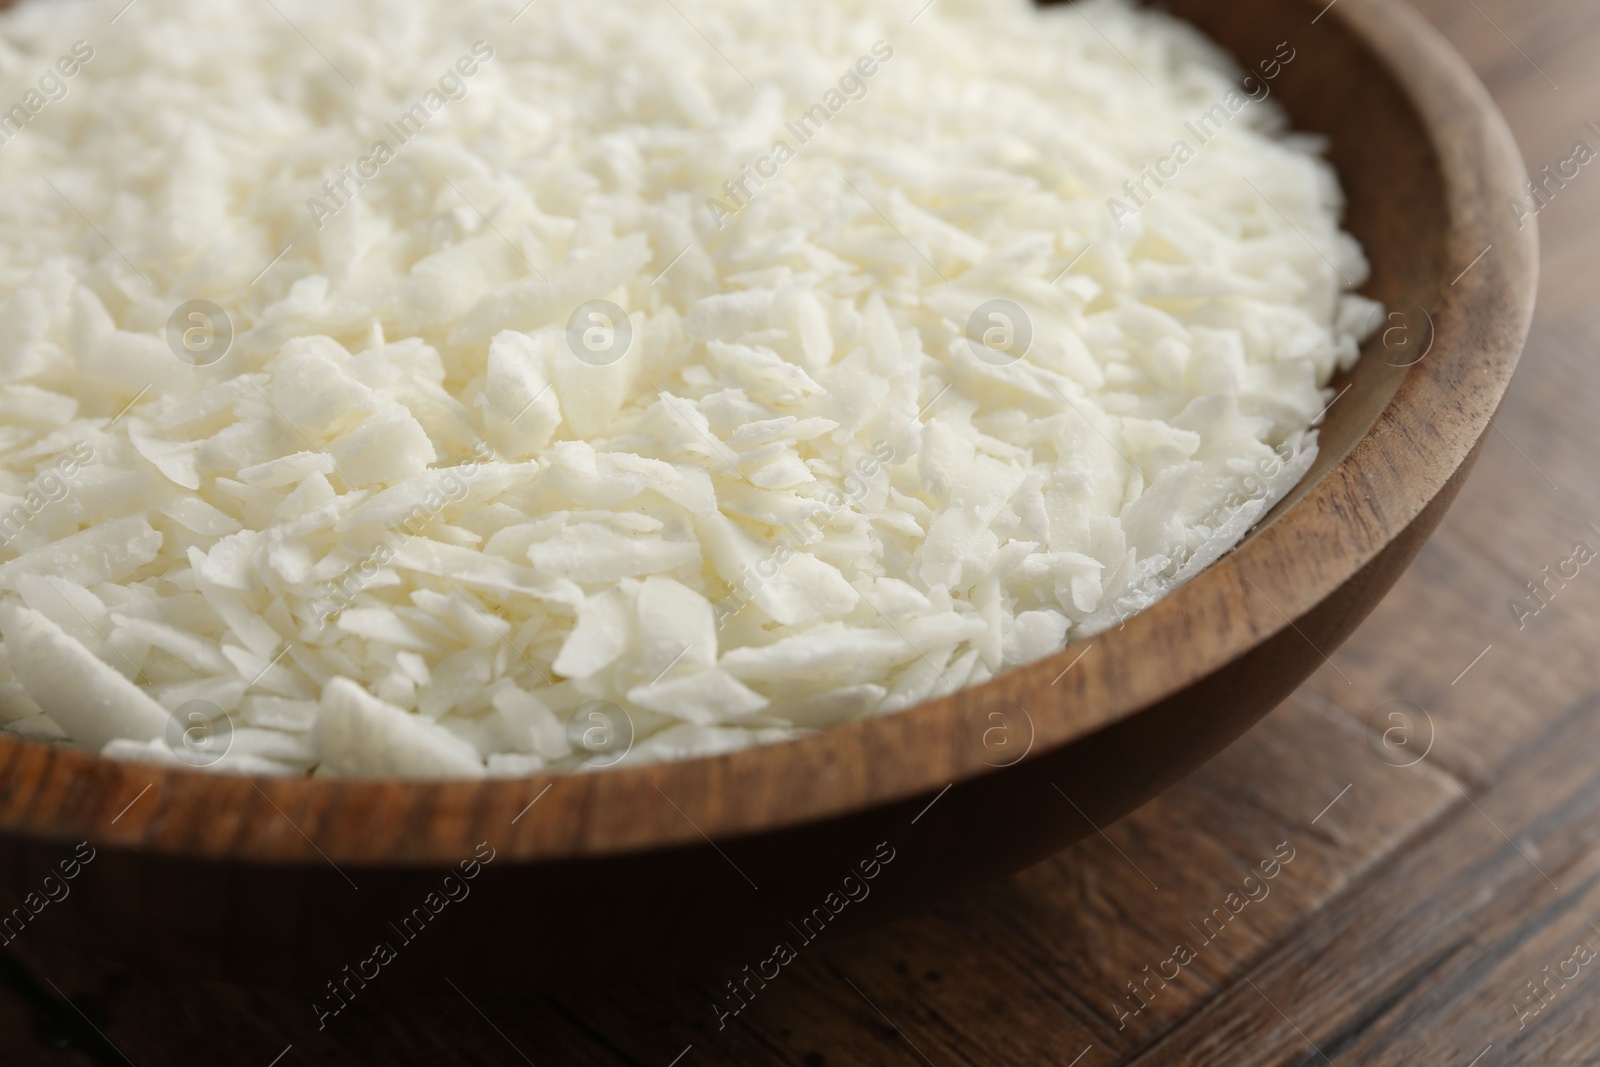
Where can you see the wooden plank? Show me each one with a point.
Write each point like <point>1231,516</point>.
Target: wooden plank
<point>170,1021</point>
<point>1035,969</point>
<point>1425,960</point>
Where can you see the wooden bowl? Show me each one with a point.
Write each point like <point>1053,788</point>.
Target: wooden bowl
<point>710,863</point>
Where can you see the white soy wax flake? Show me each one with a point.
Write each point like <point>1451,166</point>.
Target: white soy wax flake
<point>509,418</point>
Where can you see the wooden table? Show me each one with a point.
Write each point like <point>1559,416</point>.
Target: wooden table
<point>1433,903</point>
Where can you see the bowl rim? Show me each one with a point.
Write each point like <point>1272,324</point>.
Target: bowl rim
<point>52,793</point>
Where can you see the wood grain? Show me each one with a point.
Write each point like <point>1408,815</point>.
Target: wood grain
<point>1398,935</point>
